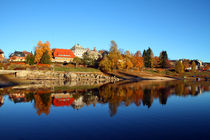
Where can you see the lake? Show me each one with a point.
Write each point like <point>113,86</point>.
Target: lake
<point>123,110</point>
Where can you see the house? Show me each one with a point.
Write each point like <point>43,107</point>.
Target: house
<point>199,63</point>
<point>26,53</point>
<point>18,56</point>
<point>63,55</point>
<point>78,50</point>
<point>93,54</point>
<point>1,55</point>
<point>62,99</point>
<point>18,97</point>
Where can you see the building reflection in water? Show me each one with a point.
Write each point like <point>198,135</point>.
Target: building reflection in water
<point>115,95</point>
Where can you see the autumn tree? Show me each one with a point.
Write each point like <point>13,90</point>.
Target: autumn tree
<point>164,59</point>
<point>179,68</point>
<point>40,49</point>
<point>193,67</point>
<point>105,64</point>
<point>128,60</point>
<point>115,56</point>
<point>113,60</point>
<point>156,62</point>
<point>148,58</point>
<point>138,60</point>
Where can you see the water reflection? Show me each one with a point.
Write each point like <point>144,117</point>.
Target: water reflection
<point>115,95</point>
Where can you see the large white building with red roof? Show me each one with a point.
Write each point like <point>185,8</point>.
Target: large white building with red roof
<point>62,55</point>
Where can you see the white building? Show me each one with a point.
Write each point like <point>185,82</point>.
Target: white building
<point>93,54</point>
<point>78,50</point>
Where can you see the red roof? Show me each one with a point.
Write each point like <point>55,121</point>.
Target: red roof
<point>63,101</point>
<point>63,53</point>
<point>1,51</point>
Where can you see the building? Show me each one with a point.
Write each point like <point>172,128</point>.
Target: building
<point>18,97</point>
<point>63,55</point>
<point>62,99</point>
<point>78,50</point>
<point>18,56</point>
<point>1,55</point>
<point>93,54</point>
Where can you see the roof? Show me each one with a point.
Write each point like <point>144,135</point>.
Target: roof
<point>1,51</point>
<point>63,102</point>
<point>77,46</point>
<point>17,53</point>
<point>63,53</point>
<point>26,53</point>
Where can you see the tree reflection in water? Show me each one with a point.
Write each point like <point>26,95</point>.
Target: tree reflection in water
<point>114,95</point>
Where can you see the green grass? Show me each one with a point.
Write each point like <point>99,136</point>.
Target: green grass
<point>70,69</point>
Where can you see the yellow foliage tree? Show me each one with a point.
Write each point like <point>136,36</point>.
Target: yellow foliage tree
<point>128,60</point>
<point>40,49</point>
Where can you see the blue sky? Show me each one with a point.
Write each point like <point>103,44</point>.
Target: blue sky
<point>181,27</point>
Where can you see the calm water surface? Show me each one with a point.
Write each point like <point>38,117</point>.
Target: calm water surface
<point>140,110</point>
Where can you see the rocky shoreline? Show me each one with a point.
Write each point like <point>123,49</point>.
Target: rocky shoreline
<point>55,75</point>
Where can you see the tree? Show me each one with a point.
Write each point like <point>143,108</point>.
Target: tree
<point>45,58</point>
<point>27,59</point>
<point>128,60</point>
<point>87,60</point>
<point>105,64</point>
<point>113,60</point>
<point>179,68</point>
<point>156,62</point>
<point>138,60</point>
<point>40,49</point>
<point>148,58</point>
<point>164,59</point>
<point>31,61</point>
<point>193,67</point>
<point>77,60</point>
<point>115,56</point>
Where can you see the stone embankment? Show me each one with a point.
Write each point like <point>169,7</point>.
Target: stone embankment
<point>52,75</point>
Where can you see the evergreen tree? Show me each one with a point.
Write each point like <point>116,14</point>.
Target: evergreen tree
<point>148,58</point>
<point>45,58</point>
<point>31,60</point>
<point>163,59</point>
<point>27,59</point>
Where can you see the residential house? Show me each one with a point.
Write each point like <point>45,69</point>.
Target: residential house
<point>18,56</point>
<point>1,55</point>
<point>63,55</point>
<point>78,50</point>
<point>18,97</point>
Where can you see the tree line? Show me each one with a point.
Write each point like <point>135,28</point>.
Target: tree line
<point>114,59</point>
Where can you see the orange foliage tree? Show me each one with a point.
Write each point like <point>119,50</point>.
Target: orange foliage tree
<point>40,49</point>
<point>138,60</point>
<point>128,60</point>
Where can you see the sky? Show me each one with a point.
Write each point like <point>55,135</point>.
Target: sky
<point>181,27</point>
